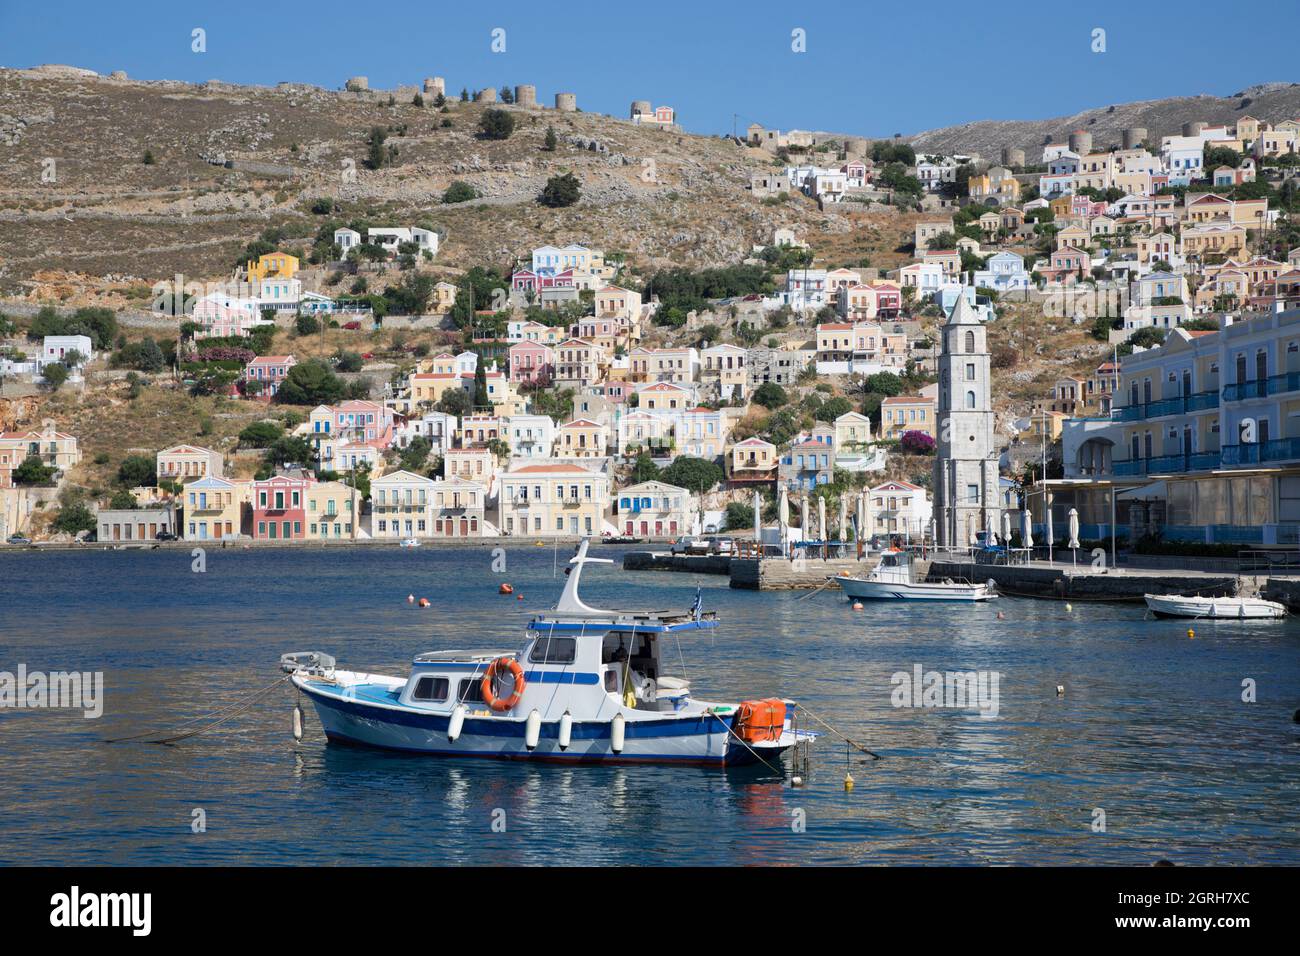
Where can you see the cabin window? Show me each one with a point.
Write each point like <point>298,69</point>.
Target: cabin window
<point>430,688</point>
<point>554,650</point>
<point>471,690</point>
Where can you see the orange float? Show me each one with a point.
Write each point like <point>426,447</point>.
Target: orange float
<point>495,669</point>
<point>506,589</point>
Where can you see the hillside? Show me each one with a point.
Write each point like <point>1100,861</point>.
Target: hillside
<point>1269,101</point>
<point>109,213</point>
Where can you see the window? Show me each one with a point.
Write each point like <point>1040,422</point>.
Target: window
<point>553,650</point>
<point>430,688</point>
<point>471,690</point>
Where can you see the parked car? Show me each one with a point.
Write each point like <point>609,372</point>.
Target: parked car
<point>18,539</point>
<point>689,544</point>
<point>165,536</point>
<point>722,546</point>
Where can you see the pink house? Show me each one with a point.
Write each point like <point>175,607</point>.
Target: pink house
<point>531,362</point>
<point>366,423</point>
<point>268,371</point>
<point>526,280</point>
<point>1067,265</point>
<point>280,507</point>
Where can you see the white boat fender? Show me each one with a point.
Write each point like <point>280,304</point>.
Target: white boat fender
<point>297,722</point>
<point>532,729</point>
<point>616,729</point>
<point>566,730</point>
<point>456,723</point>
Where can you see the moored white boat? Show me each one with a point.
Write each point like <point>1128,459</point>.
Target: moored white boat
<point>892,580</point>
<point>588,686</point>
<point>410,542</point>
<point>1216,608</point>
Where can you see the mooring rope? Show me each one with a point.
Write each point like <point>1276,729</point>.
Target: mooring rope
<point>852,743</point>
<point>745,743</point>
<point>234,710</point>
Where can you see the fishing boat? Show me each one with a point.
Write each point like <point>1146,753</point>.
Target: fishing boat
<point>589,685</point>
<point>893,580</point>
<point>1214,608</point>
<point>410,542</point>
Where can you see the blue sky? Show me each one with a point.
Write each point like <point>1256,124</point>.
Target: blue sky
<point>869,68</point>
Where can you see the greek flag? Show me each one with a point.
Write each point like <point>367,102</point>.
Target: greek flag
<point>697,604</point>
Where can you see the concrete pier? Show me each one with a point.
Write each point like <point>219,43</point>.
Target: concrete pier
<point>783,574</point>
<point>1283,590</point>
<point>665,561</point>
<point>1084,584</point>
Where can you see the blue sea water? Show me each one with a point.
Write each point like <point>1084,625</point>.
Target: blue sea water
<point>1152,731</point>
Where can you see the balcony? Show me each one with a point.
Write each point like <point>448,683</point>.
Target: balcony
<point>1275,451</point>
<point>1262,387</point>
<point>1168,464</point>
<point>1196,402</point>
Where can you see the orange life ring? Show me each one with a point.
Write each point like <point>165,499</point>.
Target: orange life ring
<point>494,670</point>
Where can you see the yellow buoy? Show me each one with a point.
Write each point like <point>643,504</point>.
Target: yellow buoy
<point>1069,608</point>
<point>1191,633</point>
<point>848,782</point>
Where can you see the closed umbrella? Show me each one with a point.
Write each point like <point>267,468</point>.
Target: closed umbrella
<point>970,530</point>
<point>844,517</point>
<point>1026,530</point>
<point>1006,528</point>
<point>821,518</point>
<point>1049,532</point>
<point>758,522</point>
<point>1073,543</point>
<point>783,515</point>
<point>803,518</point>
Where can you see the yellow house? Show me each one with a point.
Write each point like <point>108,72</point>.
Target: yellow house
<point>1213,240</point>
<point>906,413</point>
<point>751,460</point>
<point>553,500</point>
<point>852,431</point>
<point>184,463</point>
<point>215,508</point>
<point>272,265</point>
<point>444,297</point>
<point>431,386</point>
<point>329,510</point>
<point>1044,424</point>
<point>582,438</point>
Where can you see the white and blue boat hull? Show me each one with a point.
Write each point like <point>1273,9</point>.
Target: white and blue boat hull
<point>346,716</point>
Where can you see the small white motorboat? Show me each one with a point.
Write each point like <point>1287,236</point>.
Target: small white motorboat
<point>892,580</point>
<point>410,542</point>
<point>1214,608</point>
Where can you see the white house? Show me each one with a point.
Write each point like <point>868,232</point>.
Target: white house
<point>1003,271</point>
<point>530,436</point>
<point>899,507</point>
<point>347,239</point>
<point>392,237</point>
<point>439,428</point>
<point>54,348</point>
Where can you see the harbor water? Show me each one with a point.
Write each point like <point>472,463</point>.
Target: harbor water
<point>1150,752</point>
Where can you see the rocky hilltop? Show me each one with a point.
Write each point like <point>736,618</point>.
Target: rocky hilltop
<point>1268,101</point>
